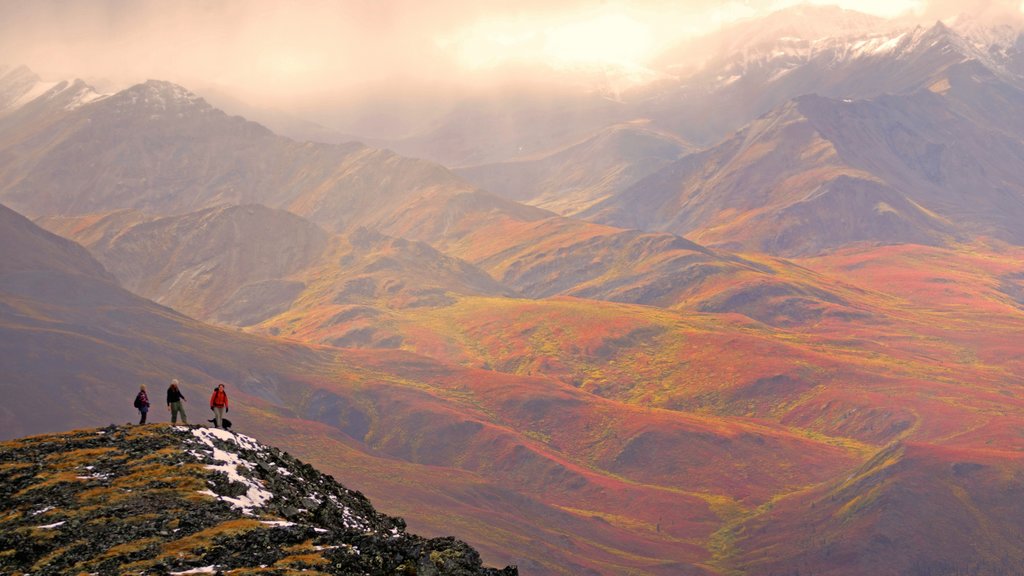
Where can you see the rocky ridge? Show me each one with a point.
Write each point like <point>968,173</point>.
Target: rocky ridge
<point>162,499</point>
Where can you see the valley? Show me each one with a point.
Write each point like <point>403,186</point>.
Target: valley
<point>771,335</point>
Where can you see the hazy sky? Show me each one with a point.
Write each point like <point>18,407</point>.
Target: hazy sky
<point>277,53</point>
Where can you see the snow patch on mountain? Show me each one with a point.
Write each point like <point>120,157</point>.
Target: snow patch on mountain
<point>161,95</point>
<point>877,46</point>
<point>21,87</point>
<point>985,34</point>
<point>81,94</point>
<point>134,503</point>
<point>232,465</point>
<point>772,60</point>
<point>238,456</point>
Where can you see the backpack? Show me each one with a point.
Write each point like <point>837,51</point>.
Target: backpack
<point>138,401</point>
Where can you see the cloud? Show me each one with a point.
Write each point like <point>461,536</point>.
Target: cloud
<point>984,10</point>
<point>230,42</point>
<point>289,54</point>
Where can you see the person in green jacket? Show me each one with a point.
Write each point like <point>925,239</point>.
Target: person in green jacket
<point>175,401</point>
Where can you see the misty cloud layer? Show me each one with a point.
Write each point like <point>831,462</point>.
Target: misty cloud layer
<point>305,55</point>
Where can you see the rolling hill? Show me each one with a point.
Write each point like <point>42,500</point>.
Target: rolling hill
<point>449,446</point>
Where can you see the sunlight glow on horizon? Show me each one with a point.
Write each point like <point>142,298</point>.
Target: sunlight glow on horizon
<point>609,37</point>
<point>612,38</point>
<point>619,34</point>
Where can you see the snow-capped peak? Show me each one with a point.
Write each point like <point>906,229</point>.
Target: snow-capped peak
<point>793,30</point>
<point>74,94</point>
<point>161,96</point>
<point>985,34</point>
<point>21,87</point>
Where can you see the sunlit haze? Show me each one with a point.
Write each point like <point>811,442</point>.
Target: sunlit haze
<point>299,55</point>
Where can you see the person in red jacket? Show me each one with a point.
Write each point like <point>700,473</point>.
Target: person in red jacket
<point>219,404</point>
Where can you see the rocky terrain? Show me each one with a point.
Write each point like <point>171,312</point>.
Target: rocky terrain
<point>161,499</point>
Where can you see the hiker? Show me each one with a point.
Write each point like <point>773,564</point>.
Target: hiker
<point>219,404</point>
<point>142,403</point>
<point>174,403</point>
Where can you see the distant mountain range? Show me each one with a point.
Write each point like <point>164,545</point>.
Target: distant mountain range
<point>911,133</point>
<point>760,316</point>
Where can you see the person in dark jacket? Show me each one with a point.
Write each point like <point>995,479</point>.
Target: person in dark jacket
<point>142,403</point>
<point>219,404</point>
<point>175,399</point>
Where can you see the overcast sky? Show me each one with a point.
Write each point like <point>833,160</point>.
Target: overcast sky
<point>278,53</point>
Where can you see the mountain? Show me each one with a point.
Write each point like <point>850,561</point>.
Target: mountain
<point>20,88</point>
<point>196,262</point>
<point>18,85</point>
<point>833,53</point>
<point>930,164</point>
<point>191,500</point>
<point>797,28</point>
<point>221,265</point>
<point>848,527</point>
<point>784,186</point>
<point>818,173</point>
<point>31,249</point>
<point>160,149</point>
<point>709,87</point>
<point>364,280</point>
<point>522,120</point>
<point>69,330</point>
<point>570,180</point>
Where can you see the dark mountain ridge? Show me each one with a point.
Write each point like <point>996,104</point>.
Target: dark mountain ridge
<point>159,499</point>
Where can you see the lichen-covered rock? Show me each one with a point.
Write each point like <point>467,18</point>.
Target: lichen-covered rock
<point>175,499</point>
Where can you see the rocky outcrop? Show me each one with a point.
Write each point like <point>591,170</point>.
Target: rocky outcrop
<point>175,499</point>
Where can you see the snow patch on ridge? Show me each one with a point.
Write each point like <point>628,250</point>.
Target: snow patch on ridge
<point>203,570</point>
<point>230,464</point>
<point>235,467</point>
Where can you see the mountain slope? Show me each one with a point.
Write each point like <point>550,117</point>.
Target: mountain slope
<point>29,248</point>
<point>523,120</point>
<point>195,263</point>
<point>570,180</point>
<point>161,149</point>
<point>818,173</point>
<point>189,500</point>
<point>69,331</point>
<point>221,264</point>
<point>951,511</point>
<point>779,186</point>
